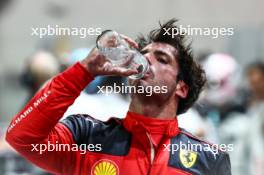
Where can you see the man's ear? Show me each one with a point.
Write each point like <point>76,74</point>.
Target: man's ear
<point>182,89</point>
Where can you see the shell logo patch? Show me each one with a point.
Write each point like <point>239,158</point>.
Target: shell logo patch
<point>187,158</point>
<point>105,167</point>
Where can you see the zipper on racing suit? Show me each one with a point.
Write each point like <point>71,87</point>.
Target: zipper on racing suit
<point>152,152</point>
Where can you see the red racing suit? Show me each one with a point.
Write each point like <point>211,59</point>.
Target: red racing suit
<point>136,145</point>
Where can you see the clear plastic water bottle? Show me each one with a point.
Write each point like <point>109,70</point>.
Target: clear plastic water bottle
<point>116,49</point>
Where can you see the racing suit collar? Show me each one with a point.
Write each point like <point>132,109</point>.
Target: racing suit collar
<point>139,123</point>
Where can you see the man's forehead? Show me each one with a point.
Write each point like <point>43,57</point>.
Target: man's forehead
<point>161,46</point>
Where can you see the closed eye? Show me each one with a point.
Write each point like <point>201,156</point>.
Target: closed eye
<point>162,57</point>
<point>162,60</point>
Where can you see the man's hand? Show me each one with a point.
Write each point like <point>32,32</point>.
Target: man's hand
<point>97,64</point>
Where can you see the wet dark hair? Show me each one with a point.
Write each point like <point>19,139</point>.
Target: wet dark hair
<point>190,72</point>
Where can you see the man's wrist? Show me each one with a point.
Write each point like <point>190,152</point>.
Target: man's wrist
<point>84,63</point>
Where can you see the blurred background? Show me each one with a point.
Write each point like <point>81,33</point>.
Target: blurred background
<point>229,111</point>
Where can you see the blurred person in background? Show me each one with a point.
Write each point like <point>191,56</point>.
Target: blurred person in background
<point>255,74</point>
<point>221,94</point>
<point>223,106</point>
<point>40,67</point>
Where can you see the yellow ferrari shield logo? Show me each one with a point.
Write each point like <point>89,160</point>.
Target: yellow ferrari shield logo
<point>105,167</point>
<point>187,158</point>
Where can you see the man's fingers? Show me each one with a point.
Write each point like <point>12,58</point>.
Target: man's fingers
<point>123,71</point>
<point>130,41</point>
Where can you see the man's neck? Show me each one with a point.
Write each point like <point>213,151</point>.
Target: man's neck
<point>166,110</point>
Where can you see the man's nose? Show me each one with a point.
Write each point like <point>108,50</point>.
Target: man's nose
<point>149,58</point>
